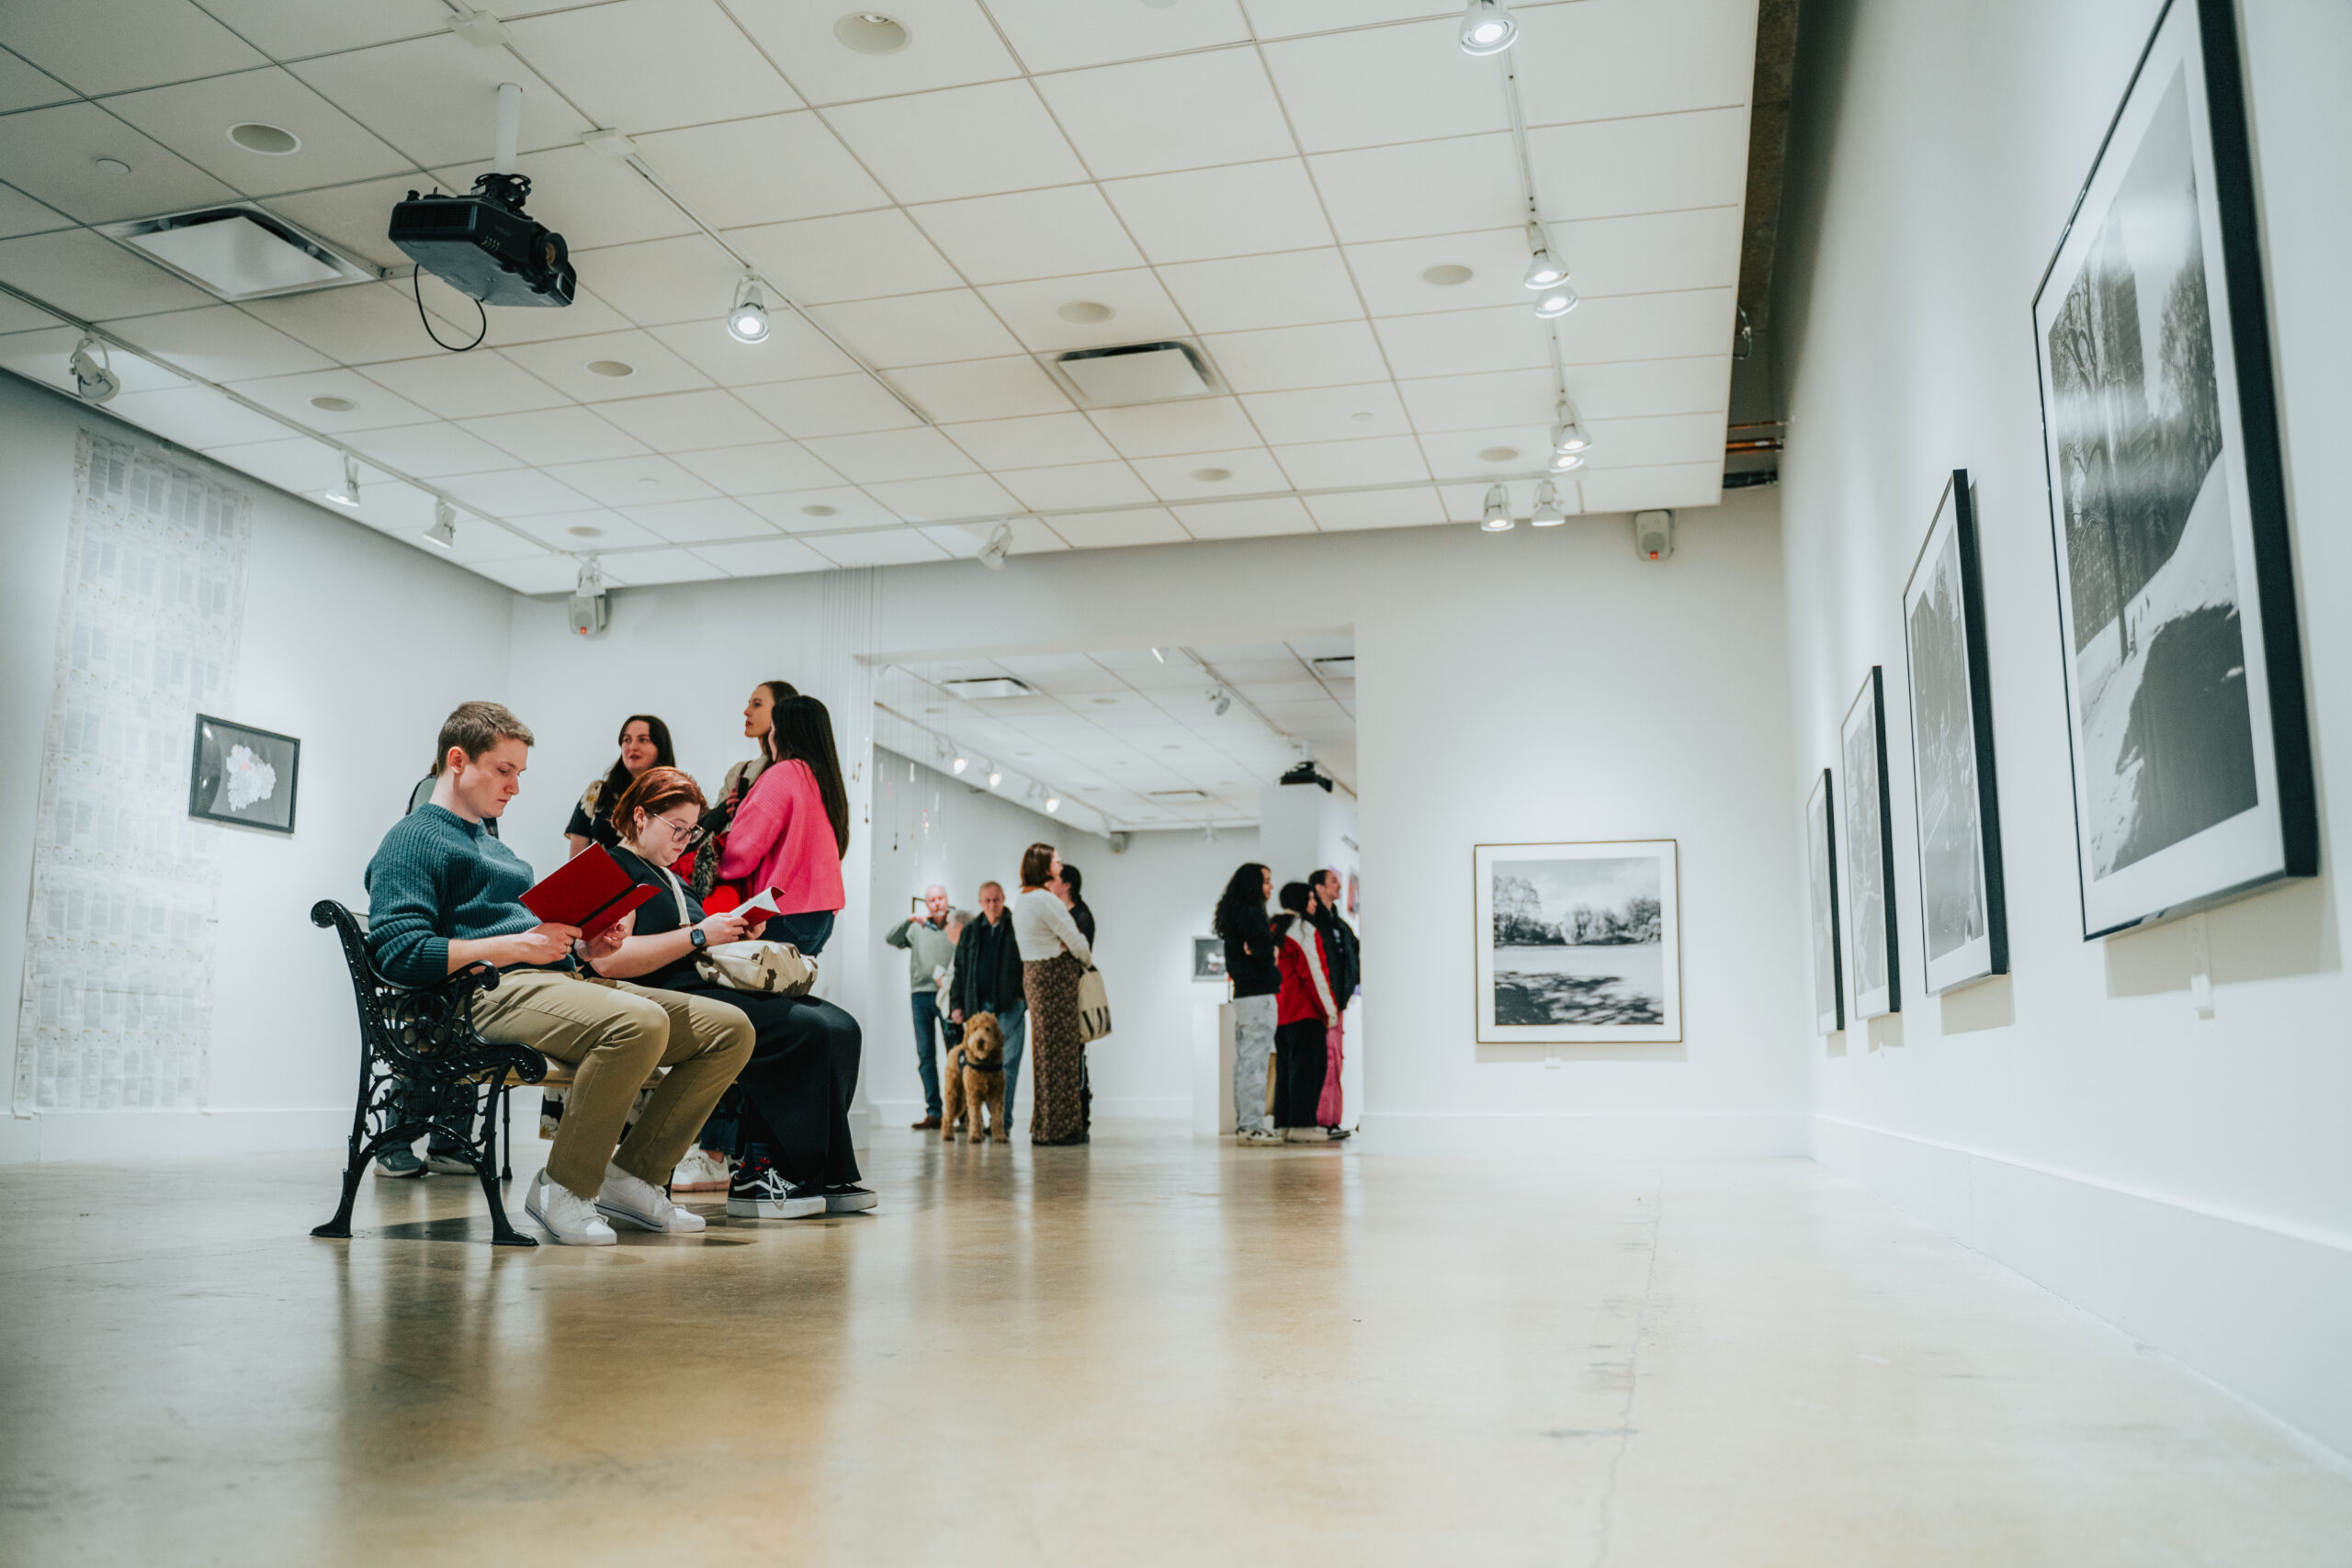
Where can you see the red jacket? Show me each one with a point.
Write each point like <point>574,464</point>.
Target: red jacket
<point>1306,995</point>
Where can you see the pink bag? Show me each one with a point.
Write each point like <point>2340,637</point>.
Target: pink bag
<point>1327,1109</point>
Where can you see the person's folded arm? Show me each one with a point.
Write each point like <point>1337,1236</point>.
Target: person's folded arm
<point>758,824</point>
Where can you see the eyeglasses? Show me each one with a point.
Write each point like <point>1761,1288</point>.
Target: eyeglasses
<point>687,837</point>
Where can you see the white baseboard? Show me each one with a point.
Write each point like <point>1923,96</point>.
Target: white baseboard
<point>1599,1136</point>
<point>1124,1108</point>
<point>2257,1305</point>
<point>117,1136</point>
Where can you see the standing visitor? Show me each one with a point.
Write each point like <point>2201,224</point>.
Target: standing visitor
<point>987,975</point>
<point>1250,964</point>
<point>759,723</point>
<point>645,743</point>
<point>792,829</point>
<point>1307,1011</point>
<point>930,951</point>
<point>1054,953</point>
<point>1067,886</point>
<point>1346,973</point>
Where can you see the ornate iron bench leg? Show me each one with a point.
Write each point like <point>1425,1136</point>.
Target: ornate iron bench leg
<point>355,1166</point>
<point>506,1121</point>
<point>502,1232</point>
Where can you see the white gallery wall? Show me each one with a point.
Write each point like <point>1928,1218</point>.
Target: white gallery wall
<point>2190,1179</point>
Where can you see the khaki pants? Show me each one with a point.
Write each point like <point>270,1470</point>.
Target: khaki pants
<point>615,1036</point>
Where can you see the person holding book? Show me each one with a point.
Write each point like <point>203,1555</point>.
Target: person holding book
<point>795,1138</point>
<point>443,894</point>
<point>790,833</point>
<point>645,743</point>
<point>759,724</point>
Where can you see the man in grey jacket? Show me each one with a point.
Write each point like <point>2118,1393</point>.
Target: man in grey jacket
<point>930,949</point>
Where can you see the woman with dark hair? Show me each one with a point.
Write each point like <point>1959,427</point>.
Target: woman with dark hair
<point>645,743</point>
<point>1306,1014</point>
<point>1069,886</point>
<point>795,1138</point>
<point>1250,964</point>
<point>791,831</point>
<point>759,721</point>
<point>1054,953</point>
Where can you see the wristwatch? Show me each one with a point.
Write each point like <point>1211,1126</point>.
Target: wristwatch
<point>699,938</point>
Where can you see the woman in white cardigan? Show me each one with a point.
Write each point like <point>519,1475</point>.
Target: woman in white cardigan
<point>1053,955</point>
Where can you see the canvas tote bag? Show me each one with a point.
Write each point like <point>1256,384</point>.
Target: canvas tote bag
<point>774,968</point>
<point>1093,1007</point>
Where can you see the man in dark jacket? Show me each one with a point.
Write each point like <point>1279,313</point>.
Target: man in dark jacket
<point>987,979</point>
<point>1338,937</point>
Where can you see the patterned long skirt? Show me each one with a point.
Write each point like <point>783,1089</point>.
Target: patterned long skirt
<point>1057,1057</point>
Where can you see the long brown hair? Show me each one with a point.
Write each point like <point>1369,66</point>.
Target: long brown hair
<point>616,781</point>
<point>778,691</point>
<point>1036,865</point>
<point>802,731</point>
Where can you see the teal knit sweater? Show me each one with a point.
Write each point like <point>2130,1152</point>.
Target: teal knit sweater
<point>438,877</point>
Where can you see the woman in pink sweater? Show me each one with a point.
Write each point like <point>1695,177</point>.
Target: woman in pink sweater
<point>791,831</point>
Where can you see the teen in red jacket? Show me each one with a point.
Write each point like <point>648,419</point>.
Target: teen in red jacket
<point>1306,1010</point>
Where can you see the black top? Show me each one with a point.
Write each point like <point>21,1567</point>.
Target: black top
<point>1250,961</point>
<point>658,914</point>
<point>599,828</point>
<point>1347,953</point>
<point>988,967</point>
<point>1083,919</point>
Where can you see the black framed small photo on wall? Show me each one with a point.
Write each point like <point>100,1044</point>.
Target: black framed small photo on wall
<point>243,775</point>
<point>1873,960</point>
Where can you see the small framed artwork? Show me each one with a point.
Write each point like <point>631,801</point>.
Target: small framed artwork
<point>1208,958</point>
<point>1873,961</point>
<point>1579,943</point>
<point>1964,920</point>
<point>1821,880</point>
<point>2182,659</point>
<point>243,775</point>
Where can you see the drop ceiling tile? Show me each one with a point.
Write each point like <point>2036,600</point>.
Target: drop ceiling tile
<point>1193,424</point>
<point>1141,310</point>
<point>1185,112</point>
<point>549,574</point>
<point>1458,454</point>
<point>766,557</point>
<point>963,540</point>
<point>294,29</point>
<point>893,547</point>
<point>1052,35</point>
<point>592,200</point>
<point>42,355</point>
<point>1390,273</point>
<point>661,282</point>
<point>433,97</point>
<point>1284,358</point>
<point>1078,485</point>
<point>1653,253</point>
<point>1377,509</point>
<point>1328,414</point>
<point>921,328</point>
<point>652,569</point>
<point>982,389</point>
<point>758,469</point>
<point>51,155</point>
<point>563,364</point>
<point>1648,326</point>
<point>948,43</point>
<point>475,543</point>
<point>20,214</point>
<point>1244,293</point>
<point>1612,59</point>
<point>859,255</point>
<point>194,117</point>
<point>515,492</point>
<point>947,499</point>
<point>1656,441</point>
<point>23,87</point>
<point>1033,234</point>
<point>631,482</point>
<point>1481,402</point>
<point>464,386</point>
<point>91,278</point>
<point>793,350</point>
<point>195,417</point>
<point>1245,519</point>
<point>1631,388</point>
<point>296,464</point>
<point>1654,164</point>
<point>356,326</point>
<point>1251,468</point>
<point>891,455</point>
<point>373,407</point>
<point>548,436</point>
<point>959,141</point>
<point>728,172</point>
<point>1454,186</point>
<point>1383,459</point>
<point>430,451</point>
<point>218,343</point>
<point>353,219</point>
<point>1238,210</point>
<point>1464,343</point>
<point>687,422</point>
<point>649,65</point>
<point>110,46</point>
<point>829,405</point>
<point>818,511</point>
<point>1037,441</point>
<point>585,316</point>
<point>1375,86</point>
<point>691,522</point>
<point>1637,490</point>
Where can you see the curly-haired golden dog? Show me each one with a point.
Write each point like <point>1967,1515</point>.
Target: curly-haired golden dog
<point>976,1079</point>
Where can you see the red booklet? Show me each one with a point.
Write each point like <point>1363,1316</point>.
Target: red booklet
<point>590,890</point>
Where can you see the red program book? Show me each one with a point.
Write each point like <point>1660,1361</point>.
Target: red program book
<point>589,891</point>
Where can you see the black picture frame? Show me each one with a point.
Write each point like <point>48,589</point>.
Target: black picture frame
<point>1963,910</point>
<point>213,795</point>
<point>1208,958</point>
<point>1873,953</point>
<point>2187,722</point>
<point>1821,879</point>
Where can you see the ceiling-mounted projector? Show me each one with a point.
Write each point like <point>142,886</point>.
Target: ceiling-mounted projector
<point>484,245</point>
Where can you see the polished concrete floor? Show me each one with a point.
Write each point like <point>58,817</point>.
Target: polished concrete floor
<point>1152,1350</point>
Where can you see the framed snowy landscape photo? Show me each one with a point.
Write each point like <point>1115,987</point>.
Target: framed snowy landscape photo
<point>243,775</point>
<point>1821,903</point>
<point>1579,943</point>
<point>1873,959</point>
<point>2183,663</point>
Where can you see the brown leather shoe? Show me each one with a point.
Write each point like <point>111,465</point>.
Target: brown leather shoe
<point>928,1124</point>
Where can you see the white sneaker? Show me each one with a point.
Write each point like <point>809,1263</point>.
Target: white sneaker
<point>1259,1137</point>
<point>631,1202</point>
<point>569,1217</point>
<point>700,1171</point>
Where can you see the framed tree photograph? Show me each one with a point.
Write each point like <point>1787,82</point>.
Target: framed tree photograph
<point>243,775</point>
<point>1872,959</point>
<point>1579,943</point>
<point>1821,883</point>
<point>2183,662</point>
<point>1964,920</point>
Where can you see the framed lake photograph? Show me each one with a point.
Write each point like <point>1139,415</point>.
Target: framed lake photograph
<point>243,775</point>
<point>1821,899</point>
<point>1964,920</point>
<point>2169,513</point>
<point>1873,960</point>
<point>1579,943</point>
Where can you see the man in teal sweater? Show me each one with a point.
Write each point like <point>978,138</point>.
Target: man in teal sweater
<point>443,893</point>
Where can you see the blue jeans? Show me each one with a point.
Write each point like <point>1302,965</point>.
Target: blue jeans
<point>809,932</point>
<point>927,1023</point>
<point>1014,1021</point>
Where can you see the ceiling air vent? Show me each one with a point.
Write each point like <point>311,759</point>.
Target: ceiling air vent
<point>239,252</point>
<point>1138,373</point>
<point>1174,796</point>
<point>991,686</point>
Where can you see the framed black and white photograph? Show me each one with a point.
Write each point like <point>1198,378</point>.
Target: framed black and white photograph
<point>1208,958</point>
<point>1821,899</point>
<point>1964,920</point>
<point>1873,961</point>
<point>2183,662</point>
<point>1579,943</point>
<point>243,775</point>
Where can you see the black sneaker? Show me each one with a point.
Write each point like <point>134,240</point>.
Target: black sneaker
<point>399,1162</point>
<point>442,1162</point>
<point>759,1192</point>
<point>849,1200</point>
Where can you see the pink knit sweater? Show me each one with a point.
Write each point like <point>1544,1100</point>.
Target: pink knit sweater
<point>781,839</point>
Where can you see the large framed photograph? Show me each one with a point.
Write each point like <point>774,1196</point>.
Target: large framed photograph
<point>2183,662</point>
<point>1820,883</point>
<point>1963,919</point>
<point>1579,943</point>
<point>243,775</point>
<point>1873,961</point>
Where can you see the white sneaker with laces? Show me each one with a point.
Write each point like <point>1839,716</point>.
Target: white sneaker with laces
<point>631,1202</point>
<point>569,1217</point>
<point>1259,1137</point>
<point>700,1171</point>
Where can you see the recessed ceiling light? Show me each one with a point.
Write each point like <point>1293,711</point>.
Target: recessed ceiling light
<point>111,165</point>
<point>616,368</point>
<point>333,406</point>
<point>1499,453</point>
<point>585,531</point>
<point>871,32</point>
<point>1211,475</point>
<point>648,482</point>
<point>273,140</point>
<point>1361,415</point>
<point>1086,312</point>
<point>1104,702</point>
<point>1171,746</point>
<point>819,511</point>
<point>934,710</point>
<point>1446,275</point>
